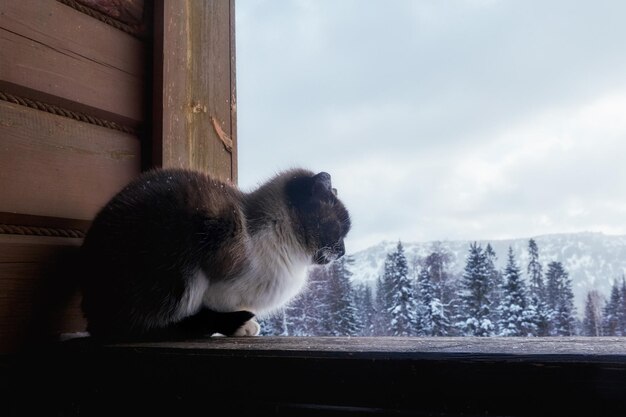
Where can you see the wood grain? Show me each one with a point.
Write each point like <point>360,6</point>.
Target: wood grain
<point>193,85</point>
<point>55,54</point>
<point>38,296</point>
<point>127,11</point>
<point>557,347</point>
<point>57,167</point>
<point>43,221</point>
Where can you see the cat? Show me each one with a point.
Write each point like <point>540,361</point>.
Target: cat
<point>178,253</point>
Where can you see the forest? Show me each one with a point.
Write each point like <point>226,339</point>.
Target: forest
<point>421,297</point>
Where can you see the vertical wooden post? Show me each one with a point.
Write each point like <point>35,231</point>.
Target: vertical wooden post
<point>194,114</point>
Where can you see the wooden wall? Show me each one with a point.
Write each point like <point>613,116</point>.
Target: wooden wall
<point>77,122</point>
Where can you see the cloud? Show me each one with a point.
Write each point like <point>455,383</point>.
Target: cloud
<point>474,119</point>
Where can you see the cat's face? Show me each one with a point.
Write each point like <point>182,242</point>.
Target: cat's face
<point>323,220</point>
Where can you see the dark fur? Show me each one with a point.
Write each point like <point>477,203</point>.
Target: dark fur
<point>147,242</point>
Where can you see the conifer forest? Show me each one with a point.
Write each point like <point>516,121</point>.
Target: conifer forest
<point>421,297</point>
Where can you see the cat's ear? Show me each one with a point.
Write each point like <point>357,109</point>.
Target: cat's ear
<point>322,186</point>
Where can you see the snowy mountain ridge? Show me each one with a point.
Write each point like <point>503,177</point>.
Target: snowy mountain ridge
<point>593,260</point>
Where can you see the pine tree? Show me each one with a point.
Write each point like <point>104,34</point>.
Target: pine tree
<point>424,302</point>
<point>365,309</point>
<point>442,289</point>
<point>274,325</point>
<point>610,320</point>
<point>431,318</point>
<point>308,313</point>
<point>560,300</point>
<point>319,321</point>
<point>514,316</point>
<point>474,315</point>
<point>496,284</point>
<point>535,271</point>
<point>401,307</point>
<point>341,306</point>
<point>621,314</point>
<point>537,292</point>
<point>296,315</point>
<point>592,322</point>
<point>382,317</point>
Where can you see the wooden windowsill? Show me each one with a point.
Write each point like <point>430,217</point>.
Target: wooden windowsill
<point>310,376</point>
<point>550,348</point>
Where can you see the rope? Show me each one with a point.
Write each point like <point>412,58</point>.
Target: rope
<point>59,111</point>
<point>39,231</point>
<point>131,30</point>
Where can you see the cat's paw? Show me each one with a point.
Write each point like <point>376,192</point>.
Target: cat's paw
<point>249,328</point>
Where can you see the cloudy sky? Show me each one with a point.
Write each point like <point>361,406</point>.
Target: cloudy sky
<point>467,119</point>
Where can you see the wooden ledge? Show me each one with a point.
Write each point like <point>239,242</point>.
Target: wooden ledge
<point>289,376</point>
<point>553,348</point>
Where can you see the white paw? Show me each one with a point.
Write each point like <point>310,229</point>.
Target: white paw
<point>250,328</point>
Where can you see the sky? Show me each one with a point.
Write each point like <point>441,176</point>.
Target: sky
<point>441,120</point>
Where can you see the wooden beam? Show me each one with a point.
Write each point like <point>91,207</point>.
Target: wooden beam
<point>127,11</point>
<point>549,347</point>
<point>55,54</point>
<point>194,87</point>
<point>38,296</point>
<point>333,377</point>
<point>58,167</point>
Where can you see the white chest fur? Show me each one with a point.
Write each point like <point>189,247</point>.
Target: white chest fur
<point>276,272</point>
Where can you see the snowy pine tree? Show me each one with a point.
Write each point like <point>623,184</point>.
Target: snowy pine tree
<point>610,319</point>
<point>307,314</point>
<point>474,314</point>
<point>537,292</point>
<point>495,284</point>
<point>401,296</point>
<point>341,306</point>
<point>274,325</point>
<point>382,318</point>
<point>424,303</point>
<point>592,322</point>
<point>535,271</point>
<point>431,317</point>
<point>560,300</point>
<point>365,309</point>
<point>514,315</point>
<point>621,313</point>
<point>442,288</point>
<point>297,317</point>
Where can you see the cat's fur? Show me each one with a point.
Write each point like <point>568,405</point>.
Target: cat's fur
<point>177,252</point>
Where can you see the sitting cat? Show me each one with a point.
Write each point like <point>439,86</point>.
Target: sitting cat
<point>179,254</point>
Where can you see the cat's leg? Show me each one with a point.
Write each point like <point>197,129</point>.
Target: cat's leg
<point>250,328</point>
<point>207,322</point>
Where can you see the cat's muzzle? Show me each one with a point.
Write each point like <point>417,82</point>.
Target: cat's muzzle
<point>327,255</point>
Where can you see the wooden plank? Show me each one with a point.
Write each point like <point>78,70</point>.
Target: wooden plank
<point>127,11</point>
<point>241,377</point>
<point>558,347</point>
<point>57,167</point>
<point>233,95</point>
<point>194,124</point>
<point>55,54</point>
<point>38,294</point>
<point>17,219</point>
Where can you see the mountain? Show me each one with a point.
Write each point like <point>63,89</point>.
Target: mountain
<point>593,260</point>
